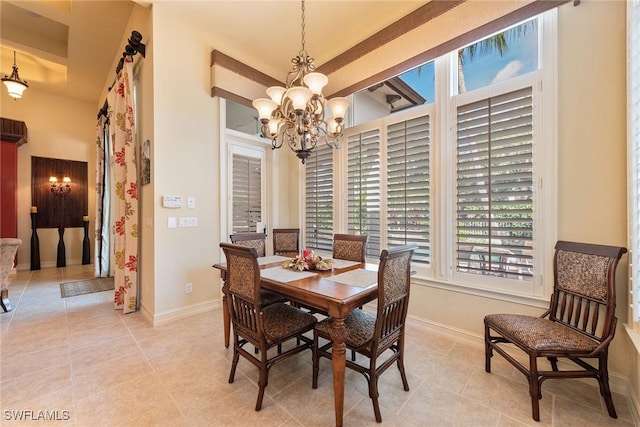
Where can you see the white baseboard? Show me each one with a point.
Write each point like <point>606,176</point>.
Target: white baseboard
<point>180,313</point>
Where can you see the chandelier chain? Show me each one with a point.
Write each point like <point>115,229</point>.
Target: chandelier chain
<point>303,33</point>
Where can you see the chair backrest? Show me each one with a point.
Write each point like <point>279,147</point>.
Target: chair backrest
<point>350,247</point>
<point>243,289</point>
<point>584,296</point>
<point>250,240</point>
<point>286,241</point>
<point>394,278</point>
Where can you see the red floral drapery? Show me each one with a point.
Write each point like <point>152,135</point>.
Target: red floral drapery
<point>125,190</point>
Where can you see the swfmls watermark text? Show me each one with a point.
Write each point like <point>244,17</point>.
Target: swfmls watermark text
<point>36,415</point>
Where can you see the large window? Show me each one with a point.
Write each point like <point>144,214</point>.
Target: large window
<point>247,192</point>
<point>319,199</point>
<point>459,173</point>
<point>408,213</point>
<point>363,188</point>
<point>494,191</point>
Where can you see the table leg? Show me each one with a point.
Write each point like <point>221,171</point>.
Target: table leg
<point>338,359</point>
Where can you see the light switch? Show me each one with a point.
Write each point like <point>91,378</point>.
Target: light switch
<point>172,222</point>
<point>191,202</point>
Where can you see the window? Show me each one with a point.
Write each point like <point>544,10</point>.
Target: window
<point>363,188</point>
<point>497,58</point>
<point>408,185</point>
<point>247,193</point>
<point>319,199</point>
<point>494,206</point>
<point>459,174</point>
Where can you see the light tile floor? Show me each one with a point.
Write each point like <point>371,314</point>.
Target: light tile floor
<point>97,367</point>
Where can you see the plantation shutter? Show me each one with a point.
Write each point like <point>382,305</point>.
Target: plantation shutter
<point>363,188</point>
<point>408,186</point>
<point>319,199</point>
<point>634,153</point>
<point>247,193</point>
<point>495,186</point>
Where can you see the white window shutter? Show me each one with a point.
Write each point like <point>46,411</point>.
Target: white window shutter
<point>319,199</point>
<point>494,205</point>
<point>363,188</point>
<point>408,186</point>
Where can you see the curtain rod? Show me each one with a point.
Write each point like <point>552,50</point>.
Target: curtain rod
<point>134,47</point>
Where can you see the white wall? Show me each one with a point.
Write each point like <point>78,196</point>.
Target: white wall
<point>61,128</point>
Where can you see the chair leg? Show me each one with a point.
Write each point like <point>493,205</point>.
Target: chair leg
<point>534,388</point>
<point>262,381</point>
<point>373,390</point>
<point>234,364</point>
<point>603,380</point>
<point>488,351</point>
<point>405,383</point>
<point>316,362</point>
<point>554,363</point>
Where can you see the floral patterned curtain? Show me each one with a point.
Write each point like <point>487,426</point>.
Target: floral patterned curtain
<point>125,190</point>
<point>103,199</point>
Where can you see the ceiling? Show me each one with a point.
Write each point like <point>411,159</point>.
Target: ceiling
<point>69,47</point>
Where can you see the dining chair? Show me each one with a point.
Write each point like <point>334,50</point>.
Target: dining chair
<point>579,324</point>
<point>349,247</point>
<point>253,323</point>
<point>371,335</point>
<point>258,242</point>
<point>251,240</point>
<point>286,241</point>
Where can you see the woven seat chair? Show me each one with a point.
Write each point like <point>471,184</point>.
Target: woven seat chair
<point>286,241</point>
<point>349,247</point>
<point>258,242</point>
<point>250,240</point>
<point>373,334</point>
<point>578,326</point>
<point>262,327</point>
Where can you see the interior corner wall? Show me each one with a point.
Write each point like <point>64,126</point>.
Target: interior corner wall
<point>141,20</point>
<point>51,134</point>
<point>592,139</point>
<point>185,163</point>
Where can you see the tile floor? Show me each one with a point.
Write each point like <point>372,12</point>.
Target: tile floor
<point>97,367</point>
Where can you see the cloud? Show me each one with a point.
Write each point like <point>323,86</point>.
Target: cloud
<point>509,70</point>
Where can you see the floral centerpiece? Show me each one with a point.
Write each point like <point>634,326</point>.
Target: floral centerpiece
<point>308,261</point>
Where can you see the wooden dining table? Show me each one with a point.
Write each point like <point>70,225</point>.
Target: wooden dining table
<point>337,291</point>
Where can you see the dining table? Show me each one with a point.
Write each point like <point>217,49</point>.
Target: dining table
<point>346,286</point>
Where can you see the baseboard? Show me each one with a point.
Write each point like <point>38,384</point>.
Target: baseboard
<point>181,313</point>
<point>618,383</point>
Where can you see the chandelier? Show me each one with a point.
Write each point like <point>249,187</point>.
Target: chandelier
<point>60,188</point>
<point>14,85</point>
<point>296,113</point>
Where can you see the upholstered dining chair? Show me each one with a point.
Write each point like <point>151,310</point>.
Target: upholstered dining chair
<point>251,240</point>
<point>258,242</point>
<point>578,326</point>
<point>373,334</point>
<point>253,323</point>
<point>350,247</point>
<point>286,241</point>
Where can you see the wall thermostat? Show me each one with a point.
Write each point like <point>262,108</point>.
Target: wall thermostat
<point>172,201</point>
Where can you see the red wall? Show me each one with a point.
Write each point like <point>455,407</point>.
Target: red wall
<point>8,189</point>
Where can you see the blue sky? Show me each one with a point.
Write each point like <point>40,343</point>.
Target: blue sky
<point>520,58</point>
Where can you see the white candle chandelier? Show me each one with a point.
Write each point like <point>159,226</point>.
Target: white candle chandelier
<point>296,113</point>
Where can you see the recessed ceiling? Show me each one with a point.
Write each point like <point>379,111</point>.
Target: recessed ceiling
<point>69,47</point>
